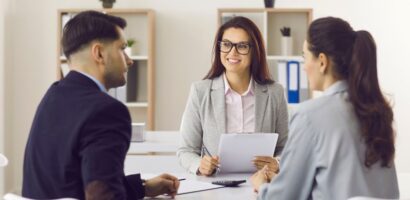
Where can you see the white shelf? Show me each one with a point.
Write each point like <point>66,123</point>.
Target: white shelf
<point>286,58</point>
<point>137,104</point>
<point>139,57</point>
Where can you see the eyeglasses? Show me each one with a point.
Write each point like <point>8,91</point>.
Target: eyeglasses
<point>241,47</point>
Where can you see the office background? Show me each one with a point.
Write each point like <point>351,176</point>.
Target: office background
<point>184,34</point>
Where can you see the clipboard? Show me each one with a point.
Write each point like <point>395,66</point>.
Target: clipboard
<point>237,150</point>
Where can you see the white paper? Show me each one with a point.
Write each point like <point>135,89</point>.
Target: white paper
<point>189,186</point>
<point>237,150</point>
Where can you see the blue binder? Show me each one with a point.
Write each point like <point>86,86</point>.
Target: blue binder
<point>292,70</point>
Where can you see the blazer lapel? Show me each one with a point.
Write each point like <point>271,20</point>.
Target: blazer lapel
<point>218,103</point>
<point>261,100</point>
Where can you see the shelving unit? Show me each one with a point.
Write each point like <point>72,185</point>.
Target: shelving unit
<point>269,22</point>
<point>139,93</point>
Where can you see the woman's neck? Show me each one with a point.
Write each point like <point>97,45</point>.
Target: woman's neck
<point>238,83</point>
<point>329,81</point>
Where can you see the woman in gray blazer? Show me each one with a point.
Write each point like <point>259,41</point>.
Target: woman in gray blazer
<point>340,145</point>
<point>237,95</point>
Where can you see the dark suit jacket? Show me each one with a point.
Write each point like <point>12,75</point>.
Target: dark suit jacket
<point>78,143</point>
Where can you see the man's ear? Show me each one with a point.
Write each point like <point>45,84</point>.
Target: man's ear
<point>97,52</point>
<point>324,63</point>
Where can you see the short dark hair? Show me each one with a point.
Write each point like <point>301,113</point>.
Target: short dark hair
<point>353,54</point>
<point>259,66</point>
<point>88,26</point>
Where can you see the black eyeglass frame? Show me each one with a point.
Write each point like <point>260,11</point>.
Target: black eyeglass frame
<point>236,47</point>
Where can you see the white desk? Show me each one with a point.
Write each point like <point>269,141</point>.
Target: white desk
<point>243,191</point>
<point>156,154</point>
<point>157,142</point>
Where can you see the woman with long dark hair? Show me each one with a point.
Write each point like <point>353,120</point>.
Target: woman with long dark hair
<point>236,96</point>
<point>341,145</point>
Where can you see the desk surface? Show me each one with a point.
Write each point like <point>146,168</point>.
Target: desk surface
<point>159,142</point>
<point>156,142</point>
<point>243,191</point>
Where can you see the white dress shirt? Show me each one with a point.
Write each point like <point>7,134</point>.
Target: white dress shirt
<point>240,109</point>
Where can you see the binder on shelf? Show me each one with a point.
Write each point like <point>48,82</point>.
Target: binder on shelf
<point>118,93</point>
<point>293,86</point>
<point>113,92</point>
<point>121,93</point>
<point>304,85</point>
<point>132,76</point>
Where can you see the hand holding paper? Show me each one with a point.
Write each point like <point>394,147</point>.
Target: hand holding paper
<point>237,151</point>
<point>269,161</point>
<point>163,184</point>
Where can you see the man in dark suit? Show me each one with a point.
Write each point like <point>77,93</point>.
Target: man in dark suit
<point>80,135</point>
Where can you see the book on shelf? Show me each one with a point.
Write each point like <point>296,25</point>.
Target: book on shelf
<point>128,92</point>
<point>119,93</point>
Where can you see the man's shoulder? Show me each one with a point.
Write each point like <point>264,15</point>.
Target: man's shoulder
<point>103,101</point>
<point>87,98</point>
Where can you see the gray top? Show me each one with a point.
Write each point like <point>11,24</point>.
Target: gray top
<point>324,156</point>
<point>204,118</point>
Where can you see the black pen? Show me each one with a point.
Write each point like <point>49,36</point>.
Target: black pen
<point>182,179</point>
<point>204,149</point>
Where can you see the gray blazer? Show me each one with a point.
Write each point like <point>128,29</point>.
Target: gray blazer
<point>324,156</point>
<point>204,118</point>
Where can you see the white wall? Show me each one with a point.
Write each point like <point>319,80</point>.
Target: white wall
<point>2,83</point>
<point>185,31</point>
<point>30,37</point>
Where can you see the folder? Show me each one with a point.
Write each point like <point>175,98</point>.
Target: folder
<point>293,85</point>
<point>113,92</point>
<point>121,93</point>
<point>304,93</point>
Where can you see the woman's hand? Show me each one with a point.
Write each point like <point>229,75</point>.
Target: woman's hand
<point>208,165</point>
<point>260,177</point>
<point>271,163</point>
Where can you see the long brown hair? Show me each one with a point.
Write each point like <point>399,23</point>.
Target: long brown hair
<point>353,55</point>
<point>259,67</point>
